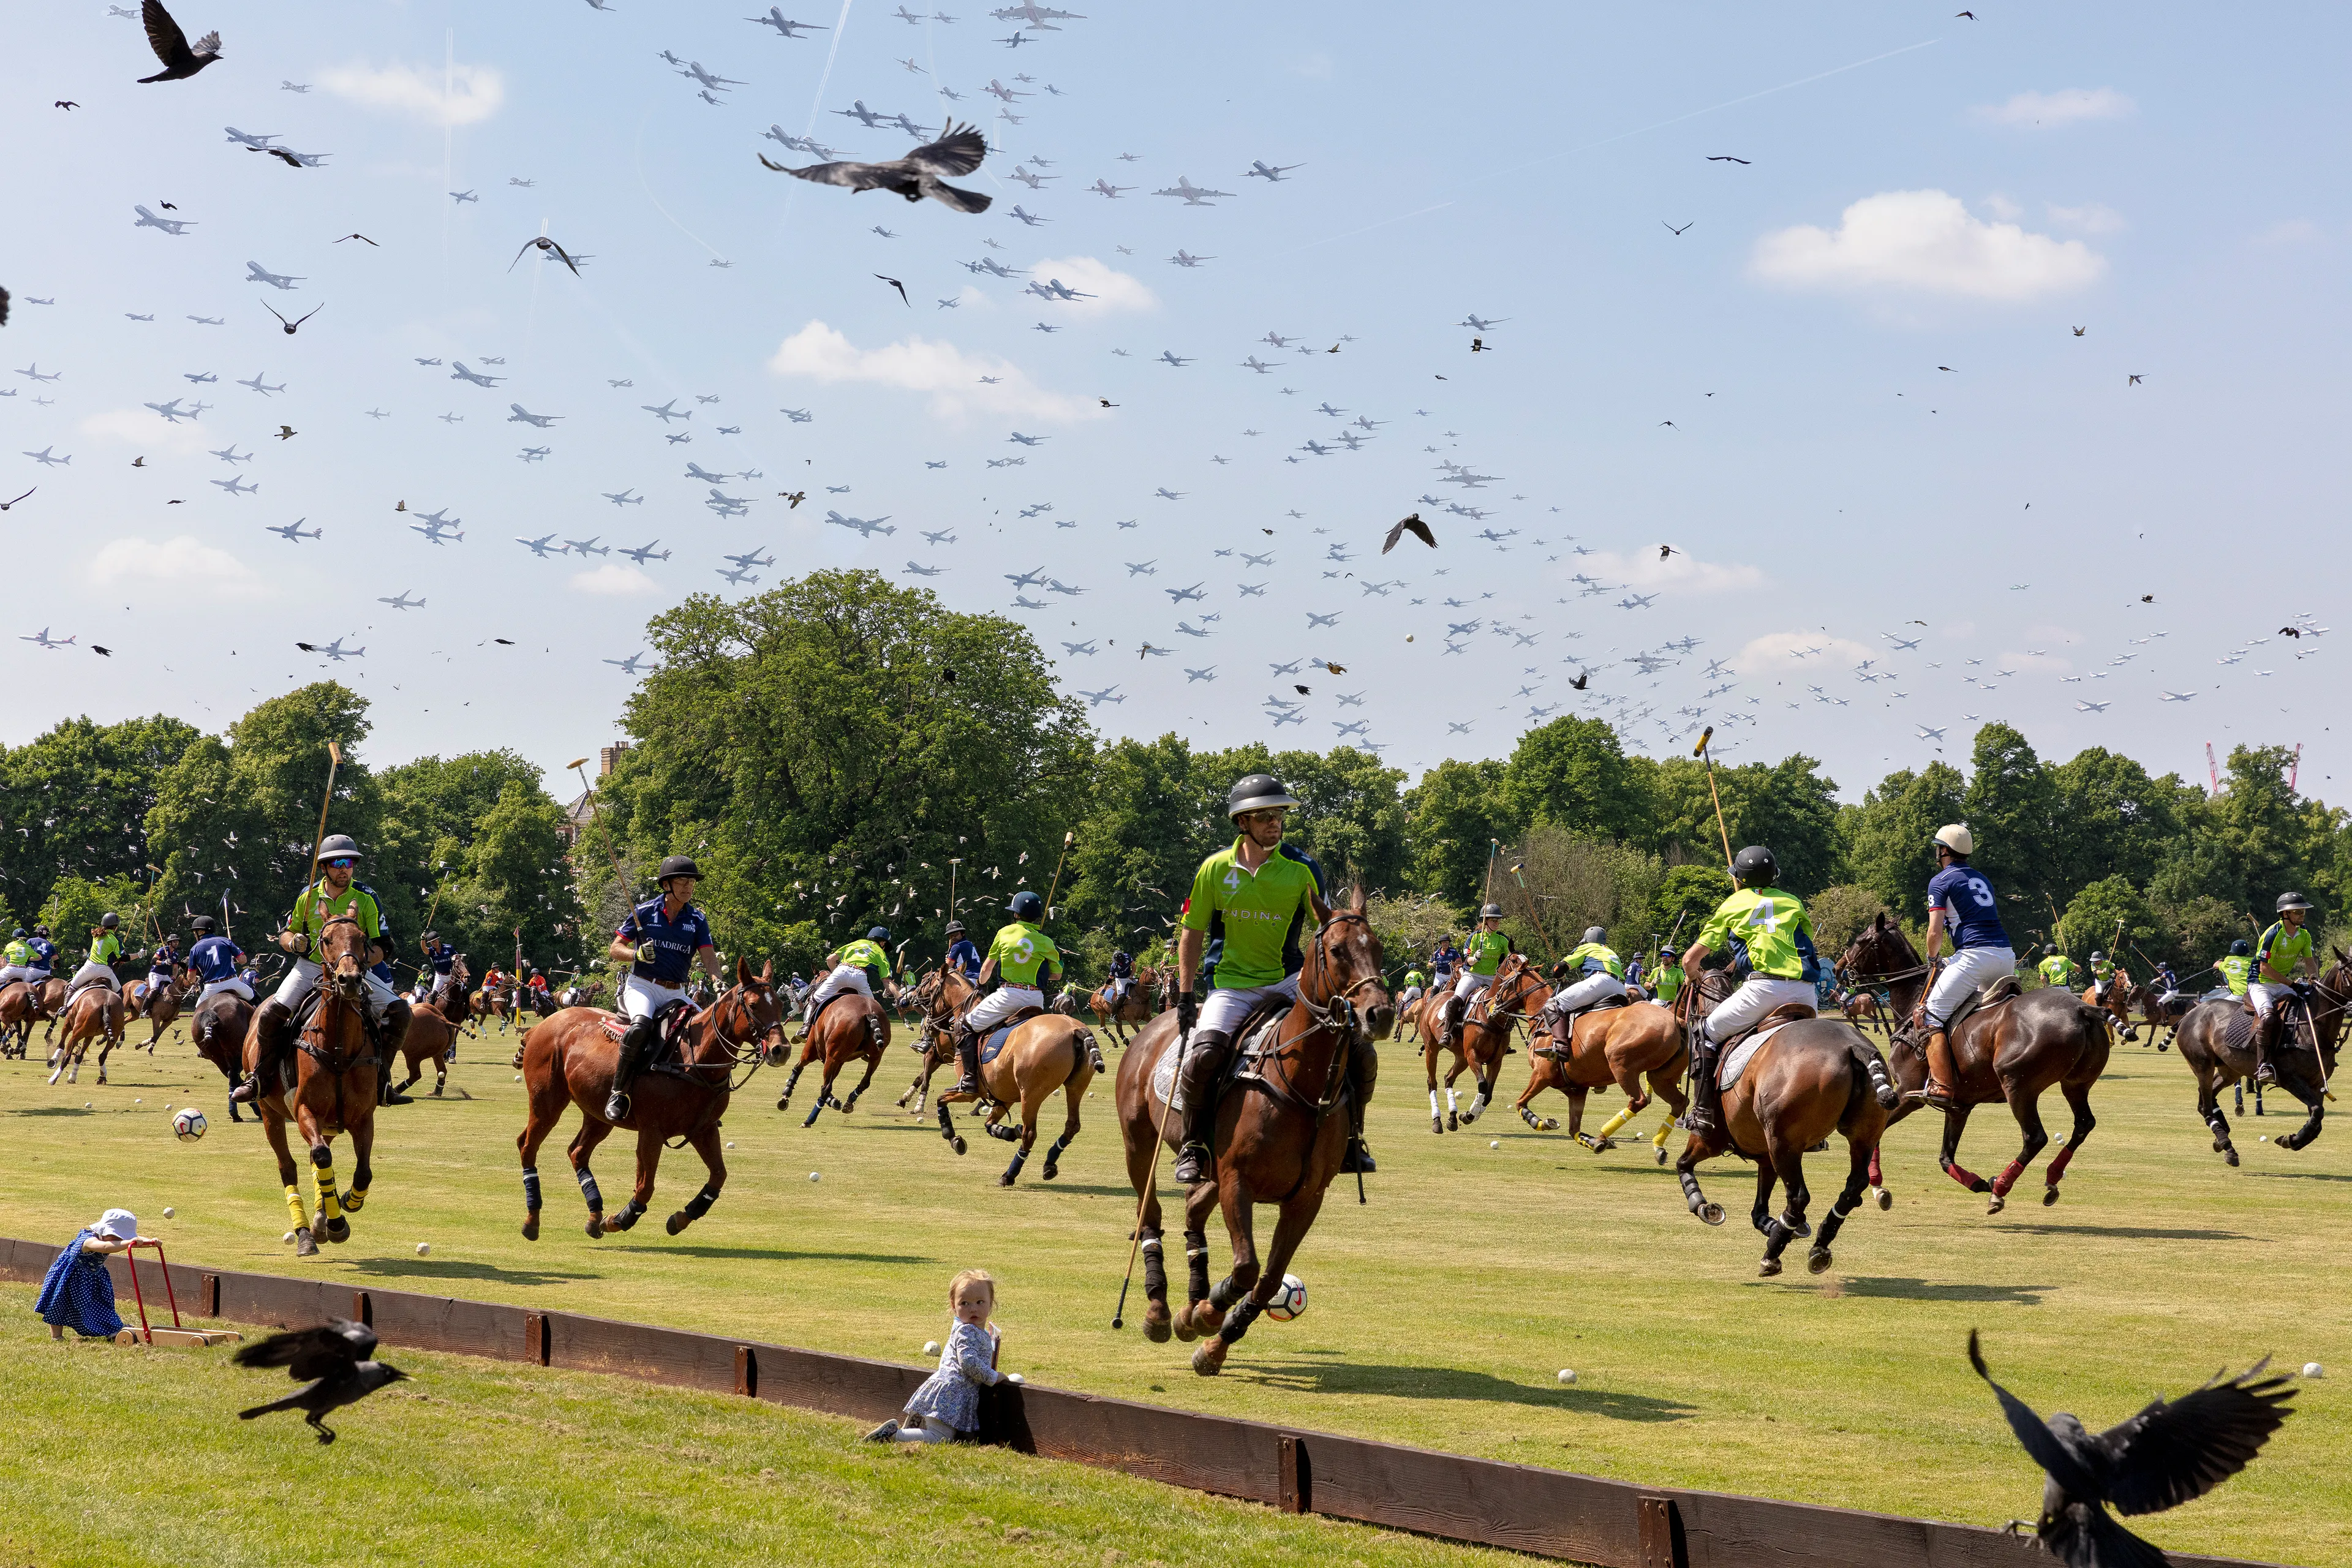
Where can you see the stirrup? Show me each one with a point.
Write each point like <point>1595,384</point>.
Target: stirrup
<point>617,1106</point>
<point>1930,1097</point>
<point>1358,1158</point>
<point>1197,1159</point>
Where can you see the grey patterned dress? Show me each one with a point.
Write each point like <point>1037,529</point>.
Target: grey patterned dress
<point>951,1394</point>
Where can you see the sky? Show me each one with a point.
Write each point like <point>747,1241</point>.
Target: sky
<point>1996,380</point>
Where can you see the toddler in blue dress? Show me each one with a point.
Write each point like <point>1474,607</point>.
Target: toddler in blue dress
<point>946,1408</point>
<point>78,1293</point>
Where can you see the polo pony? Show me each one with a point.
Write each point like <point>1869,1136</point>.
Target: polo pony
<point>1516,992</point>
<point>331,1073</point>
<point>1623,1046</point>
<point>1041,1053</point>
<point>2215,1043</point>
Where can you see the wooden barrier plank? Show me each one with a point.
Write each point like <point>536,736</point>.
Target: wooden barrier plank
<point>836,1384</point>
<point>640,1350</point>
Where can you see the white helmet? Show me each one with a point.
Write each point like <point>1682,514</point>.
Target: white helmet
<point>1956,838</point>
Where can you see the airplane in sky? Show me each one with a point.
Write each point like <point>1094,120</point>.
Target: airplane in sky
<point>434,530</point>
<point>1318,447</point>
<point>292,532</point>
<point>808,144</point>
<point>401,601</point>
<point>726,505</point>
<point>229,454</point>
<point>46,460</point>
<point>998,91</point>
<point>1194,196</point>
<point>1901,643</point>
<point>709,79</point>
<point>1034,14</point>
<point>526,416</point>
<point>256,384</point>
<point>2175,696</point>
<point>1105,188</point>
<point>34,370</point>
<point>869,117</point>
<point>43,640</point>
<point>257,273</point>
<point>1270,173</point>
<point>1178,595</point>
<point>168,224</point>
<point>539,546</point>
<point>1086,647</point>
<point>784,26</point>
<point>1054,288</point>
<point>172,410</point>
<point>1164,493</point>
<point>697,471</point>
<point>1170,356</point>
<point>919,570</point>
<point>1477,325</point>
<point>751,558</point>
<point>465,196</point>
<point>1029,440</point>
<point>867,526</point>
<point>1355,727</point>
<point>1314,620</point>
<point>797,415</point>
<point>1186,258</point>
<point>736,576</point>
<point>1097,699</point>
<point>1192,675</point>
<point>587,546</point>
<point>336,650</point>
<point>1282,719</point>
<point>1032,219</point>
<point>2094,707</point>
<point>1021,580</point>
<point>535,454</point>
<point>622,496</point>
<point>258,144</point>
<point>236,486</point>
<point>457,372</point>
<point>627,666</point>
<point>670,410</point>
<point>646,551</point>
<point>200,378</point>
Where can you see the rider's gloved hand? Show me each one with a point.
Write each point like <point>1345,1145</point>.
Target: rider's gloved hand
<point>1188,1012</point>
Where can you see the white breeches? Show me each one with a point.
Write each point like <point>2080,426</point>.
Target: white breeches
<point>1760,995</point>
<point>1585,993</point>
<point>1223,1008</point>
<point>93,970</point>
<point>999,1005</point>
<point>642,998</point>
<point>844,977</point>
<point>33,978</point>
<point>1470,984</point>
<point>302,977</point>
<point>1411,995</point>
<point>234,983</point>
<point>2266,997</point>
<point>1964,971</point>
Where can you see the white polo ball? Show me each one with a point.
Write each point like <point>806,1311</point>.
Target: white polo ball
<point>814,1176</point>
<point>931,1347</point>
<point>423,1247</point>
<point>169,1213</point>
<point>1495,1143</point>
<point>289,1238</point>
<point>2313,1369</point>
<point>517,1077</point>
<point>87,1105</point>
<point>138,1101</point>
<point>1567,1374</point>
<point>730,1143</point>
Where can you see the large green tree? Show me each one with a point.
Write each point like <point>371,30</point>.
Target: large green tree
<point>1890,836</point>
<point>1146,830</point>
<point>1573,773</point>
<point>1457,816</point>
<point>74,802</point>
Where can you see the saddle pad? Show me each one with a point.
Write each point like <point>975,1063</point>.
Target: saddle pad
<point>2238,1029</point>
<point>1163,1081</point>
<point>995,1042</point>
<point>1736,1060</point>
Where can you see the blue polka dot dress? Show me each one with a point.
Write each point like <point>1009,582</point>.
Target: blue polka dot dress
<point>78,1293</point>
<point>951,1394</point>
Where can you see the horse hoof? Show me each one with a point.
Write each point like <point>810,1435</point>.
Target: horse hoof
<point>1711,1213</point>
<point>1452,1120</point>
<point>2231,1155</point>
<point>2049,1196</point>
<point>531,1228</point>
<point>783,1101</point>
<point>1210,1358</point>
<point>339,1230</point>
<point>1886,1200</point>
<point>1156,1326</point>
<point>1661,1153</point>
<point>1005,1180</point>
<point>1435,1125</point>
<point>1769,1268</point>
<point>304,1247</point>
<point>1183,1326</point>
<point>1051,1171</point>
<point>958,1145</point>
<point>1818,1260</point>
<point>1995,1203</point>
<point>1207,1318</point>
<point>677,1222</point>
<point>595,1227</point>
<point>2221,1147</point>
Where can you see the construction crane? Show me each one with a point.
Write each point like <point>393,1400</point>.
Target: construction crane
<point>2295,767</point>
<point>2212,771</point>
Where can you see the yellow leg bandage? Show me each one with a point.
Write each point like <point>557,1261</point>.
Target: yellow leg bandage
<point>322,1178</point>
<point>1666,1128</point>
<point>1610,1127</point>
<point>294,1207</point>
<point>355,1200</point>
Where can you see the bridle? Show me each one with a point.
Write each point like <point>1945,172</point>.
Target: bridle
<point>729,1053</point>
<point>1338,1012</point>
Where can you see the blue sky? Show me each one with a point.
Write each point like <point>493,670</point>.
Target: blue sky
<point>1922,191</point>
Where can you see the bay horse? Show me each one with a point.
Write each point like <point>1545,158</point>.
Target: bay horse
<point>334,1065</point>
<point>570,1059</point>
<point>2013,1050</point>
<point>24,1004</point>
<point>1860,1005</point>
<point>1143,1002</point>
<point>1481,1043</point>
<point>161,1009</point>
<point>2303,1062</point>
<point>2118,1003</point>
<point>218,1031</point>
<point>94,1012</point>
<point>851,1026</point>
<point>1623,1046</point>
<point>430,1038</point>
<point>1809,1079</point>
<point>1276,1138</point>
<point>1045,1051</point>
<point>943,995</point>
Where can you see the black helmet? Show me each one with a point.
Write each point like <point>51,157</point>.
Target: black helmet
<point>880,935</point>
<point>2240,948</point>
<point>1490,911</point>
<point>1754,867</point>
<point>430,936</point>
<point>678,866</point>
<point>202,925</point>
<point>17,935</point>
<point>2292,901</point>
<point>109,920</point>
<point>336,846</point>
<point>1258,792</point>
<point>955,928</point>
<point>1026,906</point>
<point>1596,934</point>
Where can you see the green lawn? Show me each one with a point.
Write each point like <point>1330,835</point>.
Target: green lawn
<point>1440,1313</point>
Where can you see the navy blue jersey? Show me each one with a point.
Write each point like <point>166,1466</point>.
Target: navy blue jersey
<point>965,955</point>
<point>665,947</point>
<point>1122,966</point>
<point>1445,960</point>
<point>1969,913</point>
<point>159,961</point>
<point>215,958</point>
<point>45,952</point>
<point>441,956</point>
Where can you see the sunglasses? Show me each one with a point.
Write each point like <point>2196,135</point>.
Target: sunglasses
<point>342,862</point>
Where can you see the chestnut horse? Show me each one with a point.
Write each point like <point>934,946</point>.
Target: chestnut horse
<point>334,1062</point>
<point>1045,1051</point>
<point>161,1009</point>
<point>1622,1045</point>
<point>1482,1042</point>
<point>943,995</point>
<point>218,1031</point>
<point>1276,1138</point>
<point>2011,1050</point>
<point>2305,1060</point>
<point>95,1013</point>
<point>1810,1077</point>
<point>852,1027</point>
<point>2118,1003</point>
<point>1145,1000</point>
<point>1860,1006</point>
<point>24,1004</point>
<point>569,1059</point>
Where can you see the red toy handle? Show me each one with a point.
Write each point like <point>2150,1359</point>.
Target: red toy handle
<point>130,1256</point>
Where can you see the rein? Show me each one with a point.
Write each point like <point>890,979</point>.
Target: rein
<point>730,1053</point>
<point>1336,1017</point>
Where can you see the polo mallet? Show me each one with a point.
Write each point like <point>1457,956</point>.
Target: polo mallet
<point>1151,1179</point>
<point>334,760</point>
<point>1493,849</point>
<point>953,861</point>
<point>1700,752</point>
<point>1055,884</point>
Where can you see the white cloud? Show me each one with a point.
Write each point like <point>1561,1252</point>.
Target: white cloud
<point>1112,289</point>
<point>817,353</point>
<point>614,580</point>
<point>1782,652</point>
<point>465,95</point>
<point>2090,218</point>
<point>2294,231</point>
<point>2048,110</point>
<point>1645,571</point>
<point>143,429</point>
<point>183,565</point>
<point>1928,242</point>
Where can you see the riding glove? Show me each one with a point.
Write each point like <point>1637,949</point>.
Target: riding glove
<point>1188,1012</point>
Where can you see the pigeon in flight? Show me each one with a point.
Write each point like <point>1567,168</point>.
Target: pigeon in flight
<point>548,246</point>
<point>1725,158</point>
<point>1414,525</point>
<point>296,322</point>
<point>2161,1458</point>
<point>958,151</point>
<point>171,45</point>
<point>901,288</point>
<point>333,1357</point>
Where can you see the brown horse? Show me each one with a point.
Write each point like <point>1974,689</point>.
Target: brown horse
<point>95,1013</point>
<point>1483,1040</point>
<point>1045,1051</point>
<point>334,1077</point>
<point>431,1037</point>
<point>160,1007</point>
<point>218,1030</point>
<point>1276,1140</point>
<point>570,1059</point>
<point>2013,1050</point>
<point>1861,1008</point>
<point>852,1027</point>
<point>1622,1045</point>
<point>943,995</point>
<point>1144,1001</point>
<point>1808,1079</point>
<point>2305,1060</point>
<point>2118,1003</point>
<point>24,1004</point>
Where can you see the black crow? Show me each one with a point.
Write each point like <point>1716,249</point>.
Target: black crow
<point>171,45</point>
<point>958,151</point>
<point>333,1357</point>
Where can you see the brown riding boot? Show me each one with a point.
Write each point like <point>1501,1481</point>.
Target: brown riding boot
<point>269,1021</point>
<point>2266,1034</point>
<point>1938,1092</point>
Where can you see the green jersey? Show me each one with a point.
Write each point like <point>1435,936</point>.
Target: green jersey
<point>2282,947</point>
<point>1254,919</point>
<point>108,947</point>
<point>18,954</point>
<point>320,903</point>
<point>1485,951</point>
<point>1667,983</point>
<point>2058,970</point>
<point>2234,971</point>
<point>1590,953</point>
<point>1772,926</point>
<point>1020,950</point>
<point>2101,969</point>
<point>1412,977</point>
<point>866,955</point>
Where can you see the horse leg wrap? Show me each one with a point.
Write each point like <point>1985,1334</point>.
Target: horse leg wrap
<point>2008,1178</point>
<point>1225,1294</point>
<point>531,1188</point>
<point>588,1191</point>
<point>294,1206</point>
<point>1614,1122</point>
<point>874,1028</point>
<point>1155,1270</point>
<point>1433,1112</point>
<point>1453,1101</point>
<point>1196,1264</point>
<point>1965,1176</point>
<point>356,1199</point>
<point>699,1204</point>
<point>2057,1167</point>
<point>2220,1124</point>
<point>322,1178</point>
<point>1666,1130</point>
<point>1691,1195</point>
<point>1238,1323</point>
<point>1887,1095</point>
<point>947,1127</point>
<point>631,1212</point>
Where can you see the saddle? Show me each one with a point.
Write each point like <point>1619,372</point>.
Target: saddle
<point>669,1033</point>
<point>1991,995</point>
<point>1257,1041</point>
<point>1736,1052</point>
<point>1563,1042</point>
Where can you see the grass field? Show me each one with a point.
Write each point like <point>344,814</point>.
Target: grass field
<point>1440,1314</point>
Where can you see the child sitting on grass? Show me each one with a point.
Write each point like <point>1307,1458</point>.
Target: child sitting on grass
<point>946,1408</point>
<point>78,1292</point>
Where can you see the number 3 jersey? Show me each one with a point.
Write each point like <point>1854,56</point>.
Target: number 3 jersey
<point>1969,913</point>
